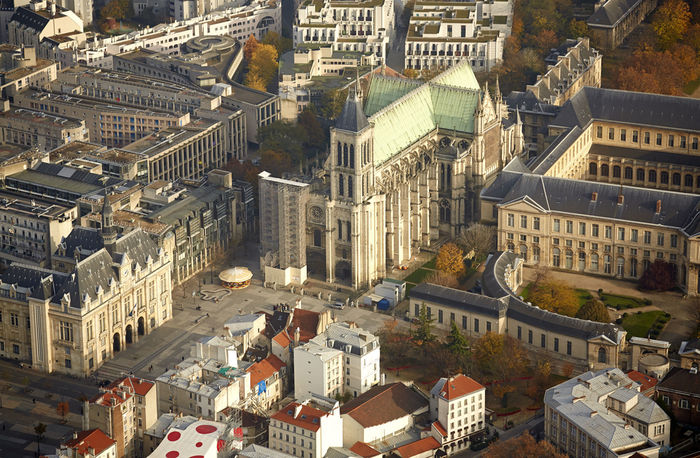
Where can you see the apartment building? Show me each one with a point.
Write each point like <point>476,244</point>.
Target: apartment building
<point>21,68</point>
<point>28,26</point>
<point>361,352</point>
<point>202,388</point>
<point>124,410</point>
<point>256,17</point>
<point>107,124</point>
<point>71,323</point>
<point>440,34</point>
<point>36,129</point>
<point>458,405</point>
<point>92,443</point>
<point>32,229</point>
<point>318,369</point>
<point>680,391</point>
<point>591,414</point>
<point>268,381</point>
<point>307,429</point>
<point>613,20</point>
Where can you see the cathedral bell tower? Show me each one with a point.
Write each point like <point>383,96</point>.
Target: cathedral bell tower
<point>109,232</point>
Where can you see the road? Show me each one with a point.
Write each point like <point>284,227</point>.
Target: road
<point>395,57</point>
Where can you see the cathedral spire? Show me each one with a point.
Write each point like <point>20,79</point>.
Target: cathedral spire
<point>517,117</point>
<point>498,89</point>
<point>108,233</point>
<point>352,118</point>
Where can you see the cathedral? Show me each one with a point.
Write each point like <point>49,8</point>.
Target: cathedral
<point>407,164</point>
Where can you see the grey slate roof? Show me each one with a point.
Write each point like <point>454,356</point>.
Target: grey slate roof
<point>86,240</point>
<point>30,19</point>
<point>89,274</point>
<point>627,107</point>
<point>611,12</point>
<point>343,335</point>
<point>43,282</point>
<point>462,300</point>
<point>258,451</point>
<point>645,155</point>
<point>494,271</point>
<point>352,118</point>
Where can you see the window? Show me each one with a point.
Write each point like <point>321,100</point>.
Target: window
<point>569,227</point>
<point>66,330</point>
<point>647,237</point>
<point>594,230</point>
<point>617,171</point>
<point>439,316</point>
<point>660,239</point>
<point>568,348</point>
<point>511,220</point>
<point>520,333</point>
<point>652,176</point>
<point>689,181</point>
<point>640,174</point>
<point>593,168</point>
<point>607,261</point>
<point>14,319</point>
<point>684,404</point>
<point>543,341</point>
<point>488,326</point>
<point>620,267</point>
<point>628,173</point>
<point>683,144</point>
<point>664,177</point>
<point>599,131</point>
<point>464,321</point>
<point>611,133</point>
<point>536,223</point>
<point>556,344</point>
<point>556,257</point>
<point>621,233</point>
<point>555,226</point>
<point>523,222</point>
<point>634,233</point>
<point>476,325</point>
<point>536,254</point>
<point>658,139</point>
<point>594,261</point>
<point>674,241</point>
<point>695,143</point>
<point>647,138</point>
<point>608,232</point>
<point>15,349</point>
<point>635,136</point>
<point>676,179</point>
<point>623,135</point>
<point>529,336</point>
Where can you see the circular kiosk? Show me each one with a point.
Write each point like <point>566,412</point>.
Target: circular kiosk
<point>236,278</point>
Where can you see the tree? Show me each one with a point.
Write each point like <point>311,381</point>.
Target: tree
<point>595,311</point>
<point>254,81</point>
<point>332,103</point>
<point>501,390</point>
<point>687,61</point>
<point>263,63</point>
<point>424,328</point>
<point>540,382</point>
<point>315,138</point>
<point>568,370</point>
<point>283,136</point>
<point>671,21</point>
<point>556,296</point>
<point>250,46</point>
<point>117,9</point>
<point>280,43</point>
<point>500,356</point>
<point>410,73</point>
<point>545,41</point>
<point>275,162</point>
<point>456,343</point>
<point>450,260</point>
<point>63,409</point>
<point>442,279</point>
<point>577,29</point>
<point>443,362</point>
<point>649,71</point>
<point>478,237</point>
<point>523,446</point>
<point>692,38</point>
<point>660,276</point>
<point>39,429</point>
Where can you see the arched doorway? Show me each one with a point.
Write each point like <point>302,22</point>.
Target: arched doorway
<point>116,343</point>
<point>316,262</point>
<point>601,355</point>
<point>141,327</point>
<point>343,270</point>
<point>129,335</point>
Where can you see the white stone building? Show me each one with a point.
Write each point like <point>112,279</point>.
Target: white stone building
<point>605,414</point>
<point>318,369</point>
<point>457,404</point>
<point>440,34</point>
<point>307,429</point>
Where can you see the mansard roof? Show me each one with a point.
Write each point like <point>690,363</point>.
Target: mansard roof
<point>86,240</point>
<point>40,283</point>
<point>611,12</point>
<point>89,276</point>
<point>627,107</point>
<point>352,118</point>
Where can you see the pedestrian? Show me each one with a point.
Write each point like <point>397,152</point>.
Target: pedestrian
<point>33,401</point>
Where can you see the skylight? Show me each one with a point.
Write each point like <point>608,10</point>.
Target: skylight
<point>315,420</point>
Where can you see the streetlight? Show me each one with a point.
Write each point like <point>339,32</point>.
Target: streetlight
<point>193,299</point>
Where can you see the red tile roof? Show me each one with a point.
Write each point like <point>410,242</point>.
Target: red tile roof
<point>139,385</point>
<point>438,427</point>
<point>382,404</point>
<point>364,450</point>
<point>92,438</point>
<point>105,399</point>
<point>418,447</point>
<point>265,369</point>
<point>305,418</point>
<point>459,386</point>
<point>307,322</point>
<point>647,381</point>
<point>282,339</point>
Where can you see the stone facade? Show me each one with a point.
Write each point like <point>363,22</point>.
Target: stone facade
<point>613,20</point>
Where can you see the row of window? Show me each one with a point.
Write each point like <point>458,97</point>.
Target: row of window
<point>543,340</point>
<point>659,141</point>
<point>641,174</point>
<point>560,436</point>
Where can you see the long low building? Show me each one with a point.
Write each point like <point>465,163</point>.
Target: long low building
<point>585,344</point>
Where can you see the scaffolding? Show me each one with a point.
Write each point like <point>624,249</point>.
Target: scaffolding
<point>231,440</point>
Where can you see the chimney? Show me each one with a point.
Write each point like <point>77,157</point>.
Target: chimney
<point>594,197</point>
<point>297,334</point>
<point>620,199</point>
<point>75,434</point>
<point>383,380</point>
<point>594,413</point>
<point>297,410</point>
<point>658,206</point>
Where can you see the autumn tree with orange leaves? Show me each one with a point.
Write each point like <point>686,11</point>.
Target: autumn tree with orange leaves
<point>500,357</point>
<point>523,446</point>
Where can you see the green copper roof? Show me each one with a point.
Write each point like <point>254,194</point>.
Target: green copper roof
<point>384,91</point>
<point>404,111</point>
<point>458,76</point>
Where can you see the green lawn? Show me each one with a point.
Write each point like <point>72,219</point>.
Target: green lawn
<point>637,325</point>
<point>622,302</point>
<point>418,276</point>
<point>691,87</point>
<point>430,264</point>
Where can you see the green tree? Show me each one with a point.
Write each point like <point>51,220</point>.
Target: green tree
<point>595,311</point>
<point>577,29</point>
<point>671,21</point>
<point>332,103</point>
<point>275,162</point>
<point>284,136</point>
<point>280,43</point>
<point>456,342</point>
<point>423,333</point>
<point>117,9</point>
<point>315,138</point>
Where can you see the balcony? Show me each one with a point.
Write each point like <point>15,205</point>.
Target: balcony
<point>441,53</point>
<point>449,53</point>
<point>457,53</point>
<point>360,33</point>
<point>433,53</point>
<point>425,53</point>
<point>353,33</point>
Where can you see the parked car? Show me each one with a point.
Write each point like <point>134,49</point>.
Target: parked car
<point>338,305</point>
